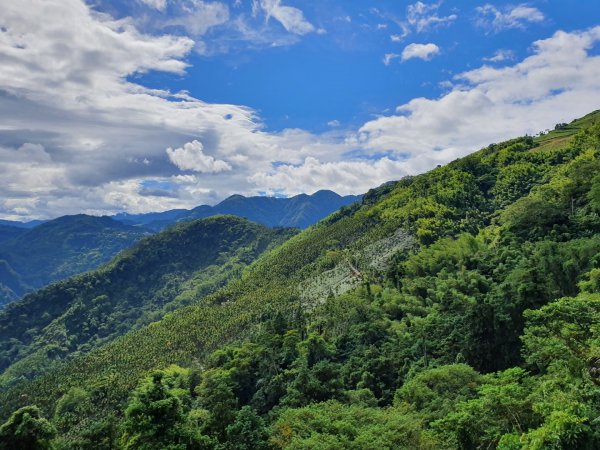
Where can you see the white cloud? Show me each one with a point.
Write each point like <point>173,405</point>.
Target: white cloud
<point>334,123</point>
<point>64,85</point>
<point>219,27</point>
<point>556,84</point>
<point>501,55</point>
<point>421,51</point>
<point>491,17</point>
<point>191,157</point>
<point>199,17</point>
<point>32,154</point>
<point>344,177</point>
<point>68,93</point>
<point>160,5</point>
<point>389,57</point>
<point>422,16</point>
<point>291,18</point>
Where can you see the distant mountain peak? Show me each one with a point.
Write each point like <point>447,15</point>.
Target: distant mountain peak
<point>298,211</point>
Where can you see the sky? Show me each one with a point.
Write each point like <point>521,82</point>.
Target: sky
<point>109,106</point>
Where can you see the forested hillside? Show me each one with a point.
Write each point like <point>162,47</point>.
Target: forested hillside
<point>455,309</point>
<point>159,274</point>
<point>34,257</point>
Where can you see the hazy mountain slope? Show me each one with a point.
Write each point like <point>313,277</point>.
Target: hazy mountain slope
<point>462,266</point>
<point>299,211</point>
<point>9,232</point>
<point>25,225</point>
<point>137,287</point>
<point>62,247</point>
<point>11,284</point>
<point>166,217</point>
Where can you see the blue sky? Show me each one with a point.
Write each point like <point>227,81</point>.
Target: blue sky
<point>146,105</point>
<point>339,75</point>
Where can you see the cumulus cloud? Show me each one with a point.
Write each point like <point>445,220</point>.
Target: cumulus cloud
<point>68,93</point>
<point>497,19</point>
<point>420,51</point>
<point>32,154</point>
<point>191,157</point>
<point>292,19</point>
<point>344,177</point>
<point>412,51</point>
<point>64,85</point>
<point>555,84</point>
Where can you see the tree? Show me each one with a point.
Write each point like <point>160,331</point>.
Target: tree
<point>26,429</point>
<point>562,333</point>
<point>332,425</point>
<point>502,407</point>
<point>70,407</point>
<point>155,418</point>
<point>216,395</point>
<point>248,432</point>
<point>561,339</point>
<point>436,391</point>
<point>515,181</point>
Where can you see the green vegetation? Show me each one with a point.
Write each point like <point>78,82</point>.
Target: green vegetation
<point>58,249</point>
<point>161,273</point>
<point>455,309</point>
<point>26,430</point>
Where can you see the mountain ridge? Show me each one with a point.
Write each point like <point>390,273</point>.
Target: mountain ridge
<point>299,211</point>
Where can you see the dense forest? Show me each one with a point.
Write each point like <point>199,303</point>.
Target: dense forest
<point>455,309</point>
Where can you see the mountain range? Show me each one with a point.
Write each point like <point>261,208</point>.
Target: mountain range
<point>70,245</point>
<point>300,211</point>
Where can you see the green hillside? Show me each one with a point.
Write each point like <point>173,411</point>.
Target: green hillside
<point>57,249</point>
<point>455,309</point>
<point>159,274</point>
